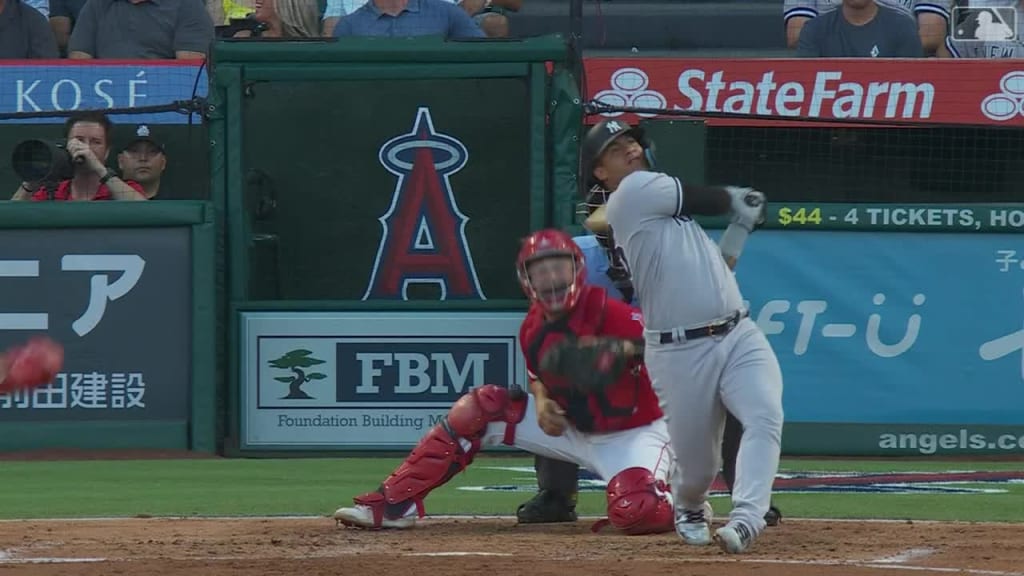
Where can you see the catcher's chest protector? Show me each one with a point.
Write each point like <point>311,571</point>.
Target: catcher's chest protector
<point>589,413</point>
<point>586,319</point>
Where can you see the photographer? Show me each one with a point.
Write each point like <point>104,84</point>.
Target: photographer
<point>88,145</point>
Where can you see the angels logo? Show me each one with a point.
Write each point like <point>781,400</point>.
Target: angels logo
<point>424,237</point>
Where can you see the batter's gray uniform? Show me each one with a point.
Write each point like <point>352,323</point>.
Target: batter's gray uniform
<point>684,283</point>
<point>965,44</point>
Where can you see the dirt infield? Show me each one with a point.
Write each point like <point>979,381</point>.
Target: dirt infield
<point>316,546</point>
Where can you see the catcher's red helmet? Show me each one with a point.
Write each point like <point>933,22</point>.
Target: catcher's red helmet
<point>557,297</point>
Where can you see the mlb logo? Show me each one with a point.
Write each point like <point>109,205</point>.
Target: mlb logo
<point>989,24</point>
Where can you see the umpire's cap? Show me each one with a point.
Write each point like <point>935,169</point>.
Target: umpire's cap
<point>598,138</point>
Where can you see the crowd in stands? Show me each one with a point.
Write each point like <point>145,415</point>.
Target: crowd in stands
<point>184,29</point>
<point>140,165</point>
<point>165,29</point>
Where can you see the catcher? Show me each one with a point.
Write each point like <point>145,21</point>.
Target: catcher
<point>591,403</point>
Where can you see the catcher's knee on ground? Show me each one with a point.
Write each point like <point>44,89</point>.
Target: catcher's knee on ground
<point>442,453</point>
<point>638,503</point>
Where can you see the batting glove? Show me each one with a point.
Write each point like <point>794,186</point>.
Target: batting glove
<point>748,206</point>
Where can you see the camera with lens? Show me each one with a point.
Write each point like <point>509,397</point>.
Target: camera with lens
<point>39,161</point>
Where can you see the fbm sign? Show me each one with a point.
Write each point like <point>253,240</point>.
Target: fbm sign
<point>373,380</point>
<point>421,370</point>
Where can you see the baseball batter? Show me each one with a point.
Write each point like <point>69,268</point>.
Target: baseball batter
<point>703,352</point>
<point>618,432</point>
<point>557,482</point>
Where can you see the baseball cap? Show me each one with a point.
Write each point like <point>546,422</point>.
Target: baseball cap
<point>143,134</point>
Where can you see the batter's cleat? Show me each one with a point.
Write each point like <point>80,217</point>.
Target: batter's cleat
<point>773,517</point>
<point>734,538</point>
<point>547,507</point>
<point>361,516</point>
<point>694,526</point>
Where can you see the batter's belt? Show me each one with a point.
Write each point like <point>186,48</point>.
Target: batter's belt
<point>718,329</point>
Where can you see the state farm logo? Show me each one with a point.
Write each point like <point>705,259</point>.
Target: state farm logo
<point>1007,103</point>
<point>629,89</point>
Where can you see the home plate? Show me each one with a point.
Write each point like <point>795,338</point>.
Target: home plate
<point>458,554</point>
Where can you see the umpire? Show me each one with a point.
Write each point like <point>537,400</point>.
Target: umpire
<point>557,483</point>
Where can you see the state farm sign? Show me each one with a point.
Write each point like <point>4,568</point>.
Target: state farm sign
<point>828,95</point>
<point>770,91</point>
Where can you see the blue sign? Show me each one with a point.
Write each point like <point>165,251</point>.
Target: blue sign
<point>93,84</point>
<point>894,327</point>
<point>403,370</point>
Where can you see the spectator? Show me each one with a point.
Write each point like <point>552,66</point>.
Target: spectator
<point>222,11</point>
<point>333,12</point>
<point>63,14</point>
<point>860,29</point>
<point>288,18</point>
<point>490,14</point>
<point>43,6</point>
<point>403,18</point>
<point>143,160</point>
<point>973,44</point>
<point>932,17</point>
<point>88,145</point>
<point>24,32</point>
<point>142,29</point>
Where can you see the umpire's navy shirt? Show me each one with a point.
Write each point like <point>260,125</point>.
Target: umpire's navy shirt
<point>889,34</point>
<point>418,18</point>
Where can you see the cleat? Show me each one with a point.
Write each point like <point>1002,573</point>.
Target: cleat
<point>360,516</point>
<point>694,526</point>
<point>773,517</point>
<point>734,538</point>
<point>547,507</point>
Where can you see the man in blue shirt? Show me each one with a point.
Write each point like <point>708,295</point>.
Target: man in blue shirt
<point>404,18</point>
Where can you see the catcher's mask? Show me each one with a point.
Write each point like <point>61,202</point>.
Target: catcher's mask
<point>597,140</point>
<point>551,270</point>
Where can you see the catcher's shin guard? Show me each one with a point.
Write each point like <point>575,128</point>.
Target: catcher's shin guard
<point>637,504</point>
<point>446,450</point>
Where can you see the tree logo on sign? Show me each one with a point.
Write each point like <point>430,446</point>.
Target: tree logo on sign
<point>295,361</point>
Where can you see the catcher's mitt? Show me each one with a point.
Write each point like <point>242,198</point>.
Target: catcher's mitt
<point>588,364</point>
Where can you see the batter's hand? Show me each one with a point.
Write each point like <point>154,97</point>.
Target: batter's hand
<point>748,206</point>
<point>550,417</point>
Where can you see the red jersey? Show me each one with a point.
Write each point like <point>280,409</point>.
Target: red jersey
<point>631,401</point>
<point>63,192</point>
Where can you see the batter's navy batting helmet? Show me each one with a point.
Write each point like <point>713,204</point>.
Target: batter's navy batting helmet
<point>597,140</point>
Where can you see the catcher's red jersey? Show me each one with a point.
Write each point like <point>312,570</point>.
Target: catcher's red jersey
<point>630,402</point>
